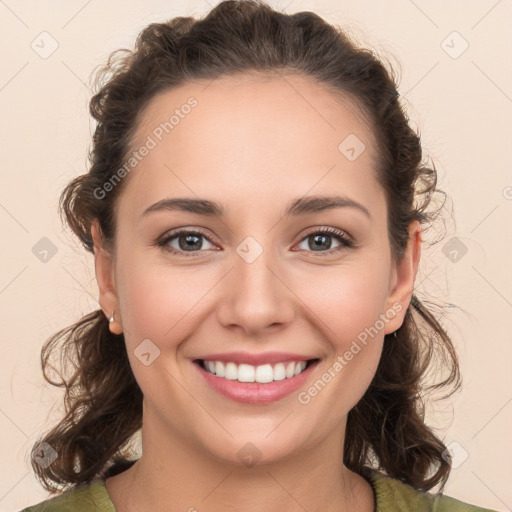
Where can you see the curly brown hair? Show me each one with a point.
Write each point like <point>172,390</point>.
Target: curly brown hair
<point>103,402</point>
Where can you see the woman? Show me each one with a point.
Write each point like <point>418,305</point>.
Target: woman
<point>254,206</point>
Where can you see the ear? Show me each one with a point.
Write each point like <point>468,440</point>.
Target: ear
<point>402,279</point>
<point>104,267</point>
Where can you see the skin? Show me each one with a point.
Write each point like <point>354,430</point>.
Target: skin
<point>252,145</point>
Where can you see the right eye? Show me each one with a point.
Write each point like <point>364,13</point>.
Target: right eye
<point>186,239</point>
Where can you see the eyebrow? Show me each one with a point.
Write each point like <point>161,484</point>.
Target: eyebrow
<point>299,206</point>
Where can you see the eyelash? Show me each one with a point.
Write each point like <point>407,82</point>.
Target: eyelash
<point>340,236</point>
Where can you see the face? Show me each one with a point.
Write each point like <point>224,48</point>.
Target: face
<point>263,276</point>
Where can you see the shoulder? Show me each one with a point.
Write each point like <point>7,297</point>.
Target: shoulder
<point>393,495</point>
<point>88,497</point>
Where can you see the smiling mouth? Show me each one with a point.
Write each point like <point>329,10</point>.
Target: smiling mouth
<point>258,374</point>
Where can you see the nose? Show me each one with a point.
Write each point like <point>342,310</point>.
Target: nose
<point>256,295</point>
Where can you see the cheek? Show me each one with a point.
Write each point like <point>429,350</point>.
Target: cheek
<point>348,299</point>
<point>158,302</point>
<point>347,311</point>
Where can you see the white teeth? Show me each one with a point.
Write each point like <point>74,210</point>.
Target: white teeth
<point>264,373</point>
<point>290,367</point>
<point>279,371</point>
<point>231,372</point>
<point>219,369</point>
<point>248,373</point>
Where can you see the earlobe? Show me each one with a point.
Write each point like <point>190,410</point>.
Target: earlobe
<point>104,268</point>
<point>114,326</point>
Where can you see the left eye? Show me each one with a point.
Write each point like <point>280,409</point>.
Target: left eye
<point>317,239</point>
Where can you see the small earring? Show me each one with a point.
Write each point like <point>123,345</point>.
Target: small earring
<point>111,319</point>
<point>394,334</point>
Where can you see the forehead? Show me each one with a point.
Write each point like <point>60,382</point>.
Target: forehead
<point>260,104</point>
<point>251,134</point>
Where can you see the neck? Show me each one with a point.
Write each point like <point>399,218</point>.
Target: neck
<point>175,475</point>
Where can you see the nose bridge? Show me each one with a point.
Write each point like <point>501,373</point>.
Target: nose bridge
<point>257,294</point>
<point>253,263</point>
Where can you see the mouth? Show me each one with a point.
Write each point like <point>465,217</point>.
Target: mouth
<point>260,384</point>
<point>262,374</point>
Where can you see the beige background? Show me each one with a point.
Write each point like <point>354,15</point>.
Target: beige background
<point>461,105</point>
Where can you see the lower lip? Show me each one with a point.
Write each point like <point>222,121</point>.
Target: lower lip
<point>254,392</point>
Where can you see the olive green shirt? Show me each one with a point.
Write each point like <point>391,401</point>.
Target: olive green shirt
<point>391,495</point>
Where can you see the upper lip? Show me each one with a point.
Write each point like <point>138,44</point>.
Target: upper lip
<point>256,359</point>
